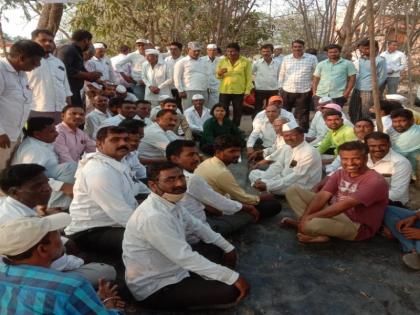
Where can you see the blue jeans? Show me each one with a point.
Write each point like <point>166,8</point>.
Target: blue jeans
<point>392,216</point>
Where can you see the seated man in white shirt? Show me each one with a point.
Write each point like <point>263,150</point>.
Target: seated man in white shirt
<point>143,111</point>
<point>299,163</point>
<point>26,186</point>
<point>125,109</point>
<point>162,270</point>
<point>135,130</point>
<point>224,215</point>
<point>37,147</point>
<point>263,134</point>
<point>197,115</point>
<point>104,196</point>
<point>395,168</point>
<point>157,136</point>
<point>386,107</point>
<point>276,100</point>
<point>95,119</point>
<point>122,93</point>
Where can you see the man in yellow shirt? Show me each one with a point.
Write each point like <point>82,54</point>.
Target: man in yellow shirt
<point>235,75</point>
<point>215,172</point>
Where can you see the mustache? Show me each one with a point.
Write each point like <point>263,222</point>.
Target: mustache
<point>123,147</point>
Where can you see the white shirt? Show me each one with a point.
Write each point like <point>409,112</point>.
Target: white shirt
<point>160,76</point>
<point>155,141</point>
<point>103,194</point>
<point>32,150</point>
<point>386,123</point>
<point>136,60</point>
<point>156,253</point>
<point>115,120</point>
<point>395,63</point>
<point>196,121</point>
<point>137,172</point>
<point>296,73</point>
<point>266,75</point>
<point>15,100</point>
<point>191,74</point>
<point>126,69</point>
<point>279,59</point>
<point>12,209</point>
<point>396,170</point>
<point>319,129</point>
<point>49,85</point>
<point>170,61</point>
<point>214,82</point>
<point>102,65</point>
<point>94,121</point>
<point>264,130</point>
<point>301,165</point>
<point>261,117</point>
<point>272,153</point>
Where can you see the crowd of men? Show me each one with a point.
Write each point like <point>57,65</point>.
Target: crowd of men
<point>128,157</point>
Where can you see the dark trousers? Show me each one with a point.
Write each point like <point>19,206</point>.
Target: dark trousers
<point>106,240</point>
<point>260,97</point>
<point>301,103</point>
<point>268,208</point>
<point>228,224</point>
<point>178,100</point>
<point>194,291</point>
<point>236,101</point>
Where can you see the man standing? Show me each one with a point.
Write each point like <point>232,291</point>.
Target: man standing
<point>123,77</point>
<point>214,83</point>
<point>191,75</point>
<point>135,60</point>
<point>266,74</point>
<point>295,80</point>
<point>100,63</point>
<point>15,93</point>
<point>156,76</point>
<point>235,73</point>
<point>278,54</point>
<point>350,205</point>
<point>361,99</point>
<point>334,77</point>
<point>175,50</point>
<point>49,82</point>
<point>72,57</point>
<point>396,62</point>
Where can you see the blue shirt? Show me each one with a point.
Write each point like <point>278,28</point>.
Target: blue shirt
<point>28,290</point>
<point>363,77</point>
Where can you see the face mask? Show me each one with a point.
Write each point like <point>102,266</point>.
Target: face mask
<point>174,198</point>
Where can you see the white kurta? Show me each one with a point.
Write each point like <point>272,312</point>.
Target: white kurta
<point>159,76</point>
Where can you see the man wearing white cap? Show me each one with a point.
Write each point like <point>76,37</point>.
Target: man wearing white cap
<point>100,63</point>
<point>318,128</point>
<point>156,76</point>
<point>197,115</point>
<point>49,83</point>
<point>266,74</point>
<point>191,75</point>
<point>212,59</point>
<point>135,60</point>
<point>121,92</point>
<point>298,163</point>
<point>278,53</point>
<point>30,245</point>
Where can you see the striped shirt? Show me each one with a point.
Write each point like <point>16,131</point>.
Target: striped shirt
<point>27,290</point>
<point>296,73</point>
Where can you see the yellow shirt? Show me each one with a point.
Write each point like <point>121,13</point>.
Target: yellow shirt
<point>220,178</point>
<point>238,78</point>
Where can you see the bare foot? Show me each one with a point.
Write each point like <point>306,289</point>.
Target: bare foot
<point>387,233</point>
<point>287,222</point>
<point>303,238</point>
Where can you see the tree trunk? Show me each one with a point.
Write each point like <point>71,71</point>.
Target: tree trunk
<point>50,17</point>
<point>372,56</point>
<point>411,96</point>
<point>347,35</point>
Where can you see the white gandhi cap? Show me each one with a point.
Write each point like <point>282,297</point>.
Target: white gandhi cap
<point>290,126</point>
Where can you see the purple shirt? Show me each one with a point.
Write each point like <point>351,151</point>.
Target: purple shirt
<point>70,145</point>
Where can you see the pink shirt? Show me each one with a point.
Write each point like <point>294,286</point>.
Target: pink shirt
<point>70,145</point>
<point>370,189</point>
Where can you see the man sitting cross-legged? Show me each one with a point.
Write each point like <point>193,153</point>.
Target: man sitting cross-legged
<point>26,186</point>
<point>37,147</point>
<point>162,269</point>
<point>215,172</point>
<point>349,206</point>
<point>28,284</point>
<point>104,196</point>
<point>298,163</point>
<point>224,215</point>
